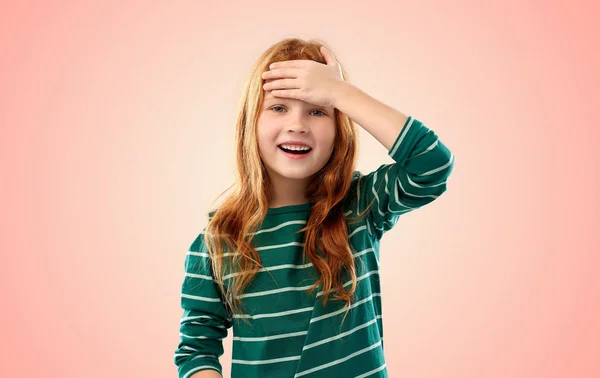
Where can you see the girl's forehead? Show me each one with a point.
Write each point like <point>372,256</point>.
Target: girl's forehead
<point>272,99</point>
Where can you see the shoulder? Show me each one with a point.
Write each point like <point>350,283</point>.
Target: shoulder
<point>198,243</point>
<point>350,196</point>
<point>355,177</point>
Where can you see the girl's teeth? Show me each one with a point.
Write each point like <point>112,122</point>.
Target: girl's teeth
<point>295,148</point>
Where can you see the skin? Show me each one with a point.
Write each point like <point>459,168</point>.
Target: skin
<point>207,374</point>
<point>306,82</point>
<point>283,119</point>
<point>296,85</point>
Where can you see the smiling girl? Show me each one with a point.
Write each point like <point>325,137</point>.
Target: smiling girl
<point>290,259</point>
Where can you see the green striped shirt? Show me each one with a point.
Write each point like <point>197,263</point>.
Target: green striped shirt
<point>291,334</point>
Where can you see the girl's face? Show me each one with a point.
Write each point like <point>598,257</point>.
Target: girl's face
<point>291,122</point>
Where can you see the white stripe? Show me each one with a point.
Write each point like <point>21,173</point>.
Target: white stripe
<point>267,269</point>
<point>263,362</point>
<point>358,279</point>
<point>275,291</point>
<point>193,337</point>
<point>413,195</point>
<point>358,208</point>
<point>364,251</point>
<point>182,354</point>
<point>355,231</point>
<point>371,372</point>
<point>358,197</point>
<point>204,254</point>
<point>399,142</point>
<point>375,193</point>
<point>302,333</point>
<point>332,363</point>
<point>369,228</point>
<point>400,203</point>
<point>194,318</point>
<point>351,331</point>
<point>306,309</point>
<point>411,182</point>
<point>268,247</point>
<point>204,356</point>
<point>198,298</point>
<point>269,229</point>
<point>279,226</point>
<point>201,254</point>
<point>404,191</point>
<point>193,275</point>
<point>206,325</point>
<point>428,148</point>
<point>439,168</point>
<point>187,347</point>
<point>273,337</point>
<point>275,314</point>
<point>329,315</point>
<point>391,212</point>
<point>295,288</point>
<point>272,268</point>
<point>397,200</point>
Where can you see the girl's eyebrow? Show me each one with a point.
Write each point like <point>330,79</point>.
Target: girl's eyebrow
<point>284,100</point>
<point>273,98</point>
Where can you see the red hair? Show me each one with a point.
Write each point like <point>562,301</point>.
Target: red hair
<point>242,211</point>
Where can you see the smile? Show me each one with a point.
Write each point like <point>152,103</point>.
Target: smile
<point>295,154</point>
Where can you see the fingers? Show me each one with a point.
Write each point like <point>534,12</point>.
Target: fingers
<point>278,73</point>
<point>281,84</point>
<point>298,63</point>
<point>328,55</point>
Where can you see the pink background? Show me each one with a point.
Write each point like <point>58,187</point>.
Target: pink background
<point>117,124</point>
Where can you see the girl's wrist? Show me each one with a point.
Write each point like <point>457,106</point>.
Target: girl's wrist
<point>342,92</point>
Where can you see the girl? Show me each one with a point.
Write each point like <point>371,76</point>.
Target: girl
<point>290,259</point>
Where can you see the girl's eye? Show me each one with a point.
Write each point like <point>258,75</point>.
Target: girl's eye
<point>322,113</point>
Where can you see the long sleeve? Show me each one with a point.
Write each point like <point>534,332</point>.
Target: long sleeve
<point>422,165</point>
<point>205,320</point>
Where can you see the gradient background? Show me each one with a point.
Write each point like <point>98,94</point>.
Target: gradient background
<point>117,125</point>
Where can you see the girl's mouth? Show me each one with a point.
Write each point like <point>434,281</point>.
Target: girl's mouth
<point>295,154</point>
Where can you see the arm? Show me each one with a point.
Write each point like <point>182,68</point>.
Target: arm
<point>207,374</point>
<point>205,319</point>
<point>422,162</point>
<point>381,121</point>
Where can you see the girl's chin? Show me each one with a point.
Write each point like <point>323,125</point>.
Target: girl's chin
<point>300,174</point>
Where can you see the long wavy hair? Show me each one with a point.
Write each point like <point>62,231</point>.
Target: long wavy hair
<point>234,222</point>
